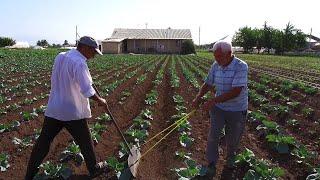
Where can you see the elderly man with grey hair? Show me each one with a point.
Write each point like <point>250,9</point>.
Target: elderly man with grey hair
<point>228,77</point>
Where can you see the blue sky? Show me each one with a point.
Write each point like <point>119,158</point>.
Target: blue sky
<point>56,20</point>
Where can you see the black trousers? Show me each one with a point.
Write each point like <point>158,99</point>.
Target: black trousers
<point>51,127</point>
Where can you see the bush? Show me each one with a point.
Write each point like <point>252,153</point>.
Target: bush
<point>6,41</point>
<point>43,43</point>
<point>187,47</point>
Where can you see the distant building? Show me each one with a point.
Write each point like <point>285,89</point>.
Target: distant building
<point>38,47</point>
<point>313,42</point>
<point>145,41</point>
<point>19,45</point>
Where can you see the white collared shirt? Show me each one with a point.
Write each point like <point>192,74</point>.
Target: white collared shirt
<point>71,87</point>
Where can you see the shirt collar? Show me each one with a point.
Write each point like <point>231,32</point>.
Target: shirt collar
<point>230,66</point>
<point>75,52</point>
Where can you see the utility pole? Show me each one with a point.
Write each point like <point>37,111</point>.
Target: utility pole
<point>310,38</point>
<point>199,36</point>
<point>76,35</point>
<point>146,25</point>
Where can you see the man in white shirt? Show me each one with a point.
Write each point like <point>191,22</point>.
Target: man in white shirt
<point>68,106</point>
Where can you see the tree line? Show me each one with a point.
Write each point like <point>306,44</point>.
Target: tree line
<point>44,43</point>
<point>288,39</point>
<point>7,41</point>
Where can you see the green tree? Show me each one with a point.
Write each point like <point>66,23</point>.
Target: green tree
<point>56,45</point>
<point>65,43</point>
<point>300,40</point>
<point>258,36</point>
<point>277,41</point>
<point>6,41</point>
<point>267,36</point>
<point>288,37</point>
<point>285,40</point>
<point>245,38</point>
<point>43,43</point>
<point>187,47</point>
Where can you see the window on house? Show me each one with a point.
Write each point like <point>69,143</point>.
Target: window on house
<point>178,42</point>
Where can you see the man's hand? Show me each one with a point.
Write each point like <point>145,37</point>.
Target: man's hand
<point>198,100</point>
<point>208,105</point>
<point>102,101</point>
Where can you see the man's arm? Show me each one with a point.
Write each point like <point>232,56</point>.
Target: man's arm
<point>234,92</point>
<point>203,90</point>
<point>222,98</point>
<point>239,82</point>
<point>229,95</point>
<point>97,97</point>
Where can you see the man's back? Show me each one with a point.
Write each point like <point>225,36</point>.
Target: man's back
<point>70,87</point>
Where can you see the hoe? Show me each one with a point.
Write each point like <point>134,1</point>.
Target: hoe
<point>134,153</point>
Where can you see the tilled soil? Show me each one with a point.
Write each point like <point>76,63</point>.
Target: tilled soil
<point>160,161</point>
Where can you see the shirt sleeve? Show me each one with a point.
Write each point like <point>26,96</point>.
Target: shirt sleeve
<point>84,80</point>
<point>210,78</point>
<point>55,68</point>
<point>241,76</point>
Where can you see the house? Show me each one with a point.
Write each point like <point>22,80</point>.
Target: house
<point>139,41</point>
<point>313,42</point>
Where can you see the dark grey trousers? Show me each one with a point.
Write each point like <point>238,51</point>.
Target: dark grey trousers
<point>51,127</point>
<point>234,123</point>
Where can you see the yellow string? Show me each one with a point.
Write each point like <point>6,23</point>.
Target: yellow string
<point>177,123</point>
<point>181,119</point>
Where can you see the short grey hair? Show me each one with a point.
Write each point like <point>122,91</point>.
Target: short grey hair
<point>225,46</point>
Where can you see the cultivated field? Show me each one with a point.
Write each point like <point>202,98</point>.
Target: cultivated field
<point>146,94</point>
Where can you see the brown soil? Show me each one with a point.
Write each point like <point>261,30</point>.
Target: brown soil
<point>159,162</point>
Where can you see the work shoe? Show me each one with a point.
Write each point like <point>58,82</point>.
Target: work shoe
<point>206,173</point>
<point>211,172</point>
<point>100,168</point>
<point>228,173</point>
